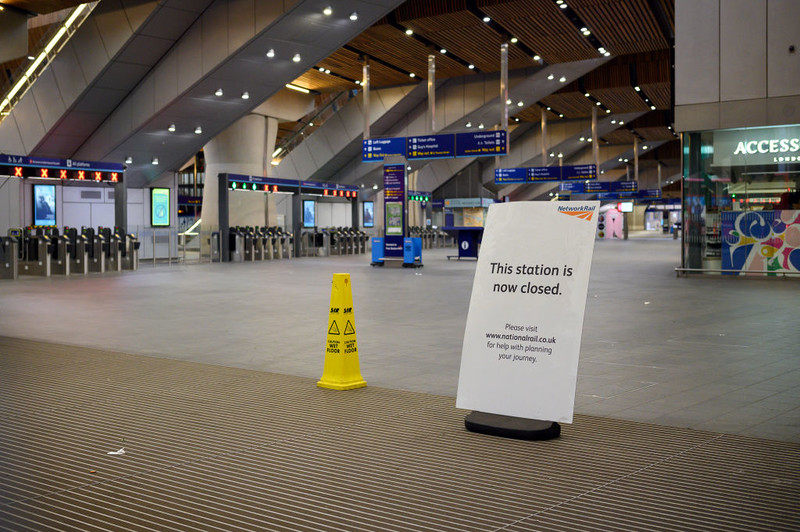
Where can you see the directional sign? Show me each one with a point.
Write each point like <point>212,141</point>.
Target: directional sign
<point>580,172</point>
<point>624,186</point>
<point>510,175</point>
<point>377,149</point>
<point>544,173</point>
<point>480,143</point>
<point>431,147</point>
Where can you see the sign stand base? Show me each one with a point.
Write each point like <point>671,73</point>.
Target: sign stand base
<point>511,427</point>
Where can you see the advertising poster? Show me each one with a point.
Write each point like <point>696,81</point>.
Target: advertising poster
<point>369,214</point>
<point>159,207</point>
<point>523,331</point>
<point>44,205</point>
<point>309,212</point>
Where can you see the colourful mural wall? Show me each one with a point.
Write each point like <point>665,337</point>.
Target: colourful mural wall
<point>761,240</point>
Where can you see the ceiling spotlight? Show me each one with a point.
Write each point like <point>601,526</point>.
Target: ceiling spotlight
<point>218,92</point>
<point>412,75</point>
<point>245,95</point>
<point>550,76</point>
<point>586,31</point>
<point>637,88</point>
<point>328,11</point>
<point>520,103</point>
<point>327,71</point>
<point>552,154</point>
<point>486,19</point>
<point>409,32</point>
<point>514,40</point>
<point>354,16</point>
<point>644,147</point>
<point>626,160</point>
<point>586,94</point>
<point>321,69</point>
<point>561,115</point>
<point>198,130</point>
<point>31,58</point>
<point>582,139</point>
<point>621,122</point>
<point>614,121</point>
<point>480,126</point>
<point>607,54</point>
<point>469,124</point>
<point>375,186</point>
<point>516,119</point>
<point>562,79</point>
<point>563,6</point>
<point>601,50</point>
<point>296,58</point>
<point>560,155</point>
<point>508,102</point>
<point>620,159</point>
<point>358,82</point>
<point>311,124</point>
<point>537,57</point>
<point>171,128</point>
<point>608,111</point>
<point>128,160</point>
<point>154,162</point>
<point>471,67</point>
<point>271,53</point>
<point>549,108</point>
<point>408,167</point>
<point>598,104</point>
<point>652,107</point>
<point>559,2</point>
<point>589,139</point>
<point>442,51</point>
<point>274,162</point>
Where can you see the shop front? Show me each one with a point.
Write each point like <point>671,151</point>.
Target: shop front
<point>741,206</point>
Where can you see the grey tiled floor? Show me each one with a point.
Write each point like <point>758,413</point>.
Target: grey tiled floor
<point>711,353</point>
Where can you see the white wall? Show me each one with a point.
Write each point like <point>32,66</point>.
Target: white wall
<point>733,67</point>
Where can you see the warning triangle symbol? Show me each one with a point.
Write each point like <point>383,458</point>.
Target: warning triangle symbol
<point>348,328</point>
<point>334,328</point>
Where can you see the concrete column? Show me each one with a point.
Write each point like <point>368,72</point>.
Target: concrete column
<point>636,159</point>
<point>121,205</point>
<point>595,143</point>
<point>365,94</point>
<point>544,137</point>
<point>431,94</point>
<point>269,145</point>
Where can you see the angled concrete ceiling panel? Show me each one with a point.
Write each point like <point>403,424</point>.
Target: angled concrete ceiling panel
<point>137,11</point>
<point>114,27</point>
<point>48,99</point>
<point>241,16</point>
<point>79,124</point>
<point>144,50</point>
<point>337,133</point>
<point>353,119</point>
<point>10,138</point>
<point>214,40</point>
<point>100,101</point>
<point>143,103</point>
<point>320,149</point>
<point>29,122</point>
<point>90,50</point>
<point>169,24</point>
<point>166,81</point>
<point>68,74</point>
<point>190,57</point>
<point>188,5</point>
<point>303,161</point>
<point>121,76</point>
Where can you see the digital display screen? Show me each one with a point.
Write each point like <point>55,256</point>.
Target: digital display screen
<point>625,206</point>
<point>44,205</point>
<point>159,207</point>
<point>369,214</point>
<point>309,212</point>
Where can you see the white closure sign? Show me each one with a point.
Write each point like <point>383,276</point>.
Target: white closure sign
<point>523,333</point>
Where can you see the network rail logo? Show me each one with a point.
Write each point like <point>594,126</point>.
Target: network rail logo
<point>584,212</point>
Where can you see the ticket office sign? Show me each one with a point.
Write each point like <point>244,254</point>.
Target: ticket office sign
<point>523,331</point>
<point>431,147</point>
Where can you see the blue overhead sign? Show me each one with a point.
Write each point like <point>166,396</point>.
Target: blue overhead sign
<point>598,187</point>
<point>431,147</point>
<point>480,143</point>
<point>579,172</point>
<point>541,174</point>
<point>374,150</point>
<point>544,173</point>
<point>510,175</point>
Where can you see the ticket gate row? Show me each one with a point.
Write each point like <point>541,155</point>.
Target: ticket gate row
<point>259,243</point>
<point>334,241</point>
<point>46,251</point>
<point>431,237</point>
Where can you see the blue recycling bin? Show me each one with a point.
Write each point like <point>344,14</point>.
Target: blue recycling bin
<point>412,252</point>
<point>377,251</point>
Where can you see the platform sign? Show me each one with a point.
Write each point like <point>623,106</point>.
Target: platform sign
<point>504,176</point>
<point>523,330</point>
<point>394,196</point>
<point>580,172</point>
<point>431,147</point>
<point>375,150</point>
<point>544,173</point>
<point>480,143</point>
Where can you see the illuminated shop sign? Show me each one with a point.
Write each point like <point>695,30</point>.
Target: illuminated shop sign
<point>757,146</point>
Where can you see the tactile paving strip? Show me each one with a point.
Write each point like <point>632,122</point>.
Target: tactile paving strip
<point>216,448</point>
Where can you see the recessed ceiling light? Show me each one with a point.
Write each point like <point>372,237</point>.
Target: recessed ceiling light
<point>218,92</point>
<point>537,57</point>
<point>354,16</point>
<point>171,128</point>
<point>621,122</point>
<point>471,67</point>
<point>297,88</point>
<point>31,58</point>
<point>550,76</point>
<point>375,186</point>
<point>442,51</point>
<point>549,108</point>
<point>311,124</point>
<point>154,162</point>
<point>613,121</point>
<point>598,104</point>
<point>409,32</point>
<point>652,107</point>
<point>560,155</point>
<point>520,103</point>
<point>644,147</point>
<point>562,79</point>
<point>128,160</point>
<point>514,40</point>
<point>274,162</point>
<point>637,88</point>
<point>321,69</point>
<point>582,139</point>
<point>508,102</point>
<point>608,111</point>
<point>563,6</point>
<point>296,58</point>
<point>516,119</point>
<point>561,115</point>
<point>245,95</point>
<point>328,11</point>
<point>586,31</point>
<point>486,19</point>
<point>198,130</point>
<point>480,126</point>
<point>327,71</point>
<point>586,94</point>
<point>606,54</point>
<point>552,154</point>
<point>412,75</point>
<point>469,124</point>
<point>271,53</point>
<point>358,82</point>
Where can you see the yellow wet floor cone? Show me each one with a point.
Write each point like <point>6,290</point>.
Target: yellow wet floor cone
<point>341,371</point>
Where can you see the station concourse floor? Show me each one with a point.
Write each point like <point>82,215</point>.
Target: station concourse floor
<point>687,404</point>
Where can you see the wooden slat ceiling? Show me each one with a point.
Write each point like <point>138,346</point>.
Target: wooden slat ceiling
<point>467,35</point>
<point>655,133</point>
<point>318,81</point>
<point>619,136</point>
<point>571,104</point>
<point>42,6</point>
<point>622,26</point>
<point>620,99</point>
<point>541,26</point>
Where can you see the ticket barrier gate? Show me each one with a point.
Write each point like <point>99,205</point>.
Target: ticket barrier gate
<point>111,249</point>
<point>9,256</point>
<point>336,244</point>
<point>129,249</point>
<point>60,248</point>
<point>308,246</point>
<point>78,255</point>
<point>286,244</point>
<point>259,248</point>
<point>35,253</point>
<point>248,252</point>
<point>94,246</point>
<point>235,245</point>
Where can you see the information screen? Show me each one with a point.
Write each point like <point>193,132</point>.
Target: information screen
<point>159,207</point>
<point>369,214</point>
<point>44,205</point>
<point>309,212</point>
